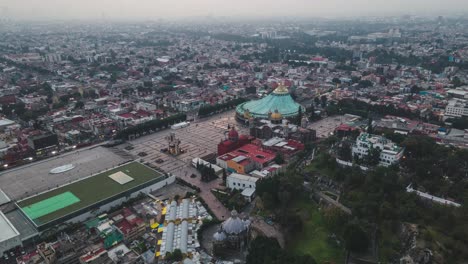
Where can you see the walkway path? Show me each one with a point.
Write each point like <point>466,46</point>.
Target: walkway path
<point>272,231</point>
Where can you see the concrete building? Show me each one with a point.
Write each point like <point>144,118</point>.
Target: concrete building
<point>245,159</point>
<point>218,170</point>
<point>456,108</point>
<point>130,225</point>
<point>9,236</point>
<point>390,153</point>
<point>98,256</point>
<point>240,182</point>
<point>234,234</point>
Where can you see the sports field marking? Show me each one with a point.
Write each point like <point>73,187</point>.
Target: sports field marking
<point>50,205</point>
<point>121,178</point>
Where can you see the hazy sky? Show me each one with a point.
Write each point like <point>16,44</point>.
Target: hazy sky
<point>153,9</point>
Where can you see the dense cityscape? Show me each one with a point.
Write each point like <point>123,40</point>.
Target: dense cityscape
<point>234,141</point>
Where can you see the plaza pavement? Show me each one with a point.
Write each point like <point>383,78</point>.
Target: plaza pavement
<point>197,140</point>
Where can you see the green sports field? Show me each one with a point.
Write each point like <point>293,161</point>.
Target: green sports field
<point>57,203</point>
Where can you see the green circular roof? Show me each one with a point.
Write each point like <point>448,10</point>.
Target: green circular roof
<point>282,102</point>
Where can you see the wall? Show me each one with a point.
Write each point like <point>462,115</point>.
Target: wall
<point>349,164</point>
<point>231,181</point>
<point>108,206</point>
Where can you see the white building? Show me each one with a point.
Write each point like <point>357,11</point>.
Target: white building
<point>9,236</point>
<point>240,182</point>
<point>456,108</point>
<point>390,153</point>
<point>146,106</point>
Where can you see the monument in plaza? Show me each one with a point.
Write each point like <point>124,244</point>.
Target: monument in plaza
<point>276,106</point>
<point>173,144</point>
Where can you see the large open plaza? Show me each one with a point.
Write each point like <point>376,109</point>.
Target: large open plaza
<point>197,140</point>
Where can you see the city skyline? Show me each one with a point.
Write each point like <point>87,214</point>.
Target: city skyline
<point>146,9</point>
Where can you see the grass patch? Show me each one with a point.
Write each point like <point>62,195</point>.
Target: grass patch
<point>233,200</point>
<point>315,239</point>
<point>94,189</point>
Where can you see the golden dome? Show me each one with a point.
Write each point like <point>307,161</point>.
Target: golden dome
<point>281,89</point>
<point>276,115</point>
<point>247,114</point>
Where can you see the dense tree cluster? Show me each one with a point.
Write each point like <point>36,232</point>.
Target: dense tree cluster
<point>438,169</point>
<point>277,194</point>
<point>380,203</point>
<point>150,126</point>
<point>458,123</point>
<point>212,109</point>
<point>434,64</point>
<point>360,108</point>
<point>207,172</point>
<point>264,250</point>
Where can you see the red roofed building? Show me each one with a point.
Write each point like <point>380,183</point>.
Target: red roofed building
<point>7,100</point>
<point>287,147</point>
<point>131,226</point>
<point>98,256</point>
<point>246,158</point>
<point>232,142</point>
<point>344,130</point>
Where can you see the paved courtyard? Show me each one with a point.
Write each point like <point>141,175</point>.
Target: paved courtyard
<point>326,126</point>
<point>197,140</point>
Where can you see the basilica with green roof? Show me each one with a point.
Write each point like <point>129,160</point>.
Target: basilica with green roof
<point>277,105</point>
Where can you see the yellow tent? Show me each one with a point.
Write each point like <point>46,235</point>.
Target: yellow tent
<point>155,225</point>
<point>158,254</point>
<point>164,211</point>
<point>159,242</point>
<point>160,229</point>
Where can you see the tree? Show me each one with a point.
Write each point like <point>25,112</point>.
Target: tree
<point>335,218</point>
<point>311,111</point>
<point>344,151</point>
<point>355,79</point>
<point>113,54</point>
<point>336,80</point>
<point>323,100</point>
<point>373,157</point>
<point>79,105</point>
<point>224,176</point>
<point>356,239</point>
<point>370,129</point>
<point>456,82</point>
<point>279,158</point>
<point>317,100</point>
<point>176,255</point>
<point>299,116</point>
<point>415,89</point>
<point>365,83</point>
<point>264,250</point>
<point>113,78</point>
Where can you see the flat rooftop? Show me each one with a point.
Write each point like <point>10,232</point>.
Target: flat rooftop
<point>7,230</point>
<point>28,180</point>
<point>22,224</point>
<point>60,202</point>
